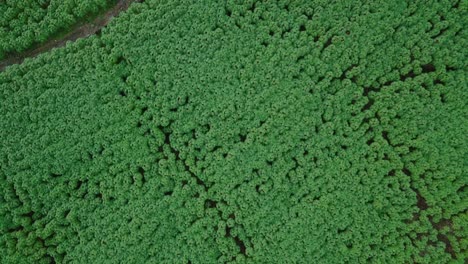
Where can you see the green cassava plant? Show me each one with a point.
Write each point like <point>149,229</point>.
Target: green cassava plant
<point>242,132</point>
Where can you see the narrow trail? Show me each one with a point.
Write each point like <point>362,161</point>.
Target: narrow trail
<point>81,30</point>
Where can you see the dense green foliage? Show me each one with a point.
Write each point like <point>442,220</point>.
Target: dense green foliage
<point>261,132</point>
<point>24,23</point>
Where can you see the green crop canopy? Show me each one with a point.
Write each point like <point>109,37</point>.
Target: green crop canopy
<point>235,132</point>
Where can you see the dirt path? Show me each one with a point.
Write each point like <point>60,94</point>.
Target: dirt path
<point>81,30</point>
